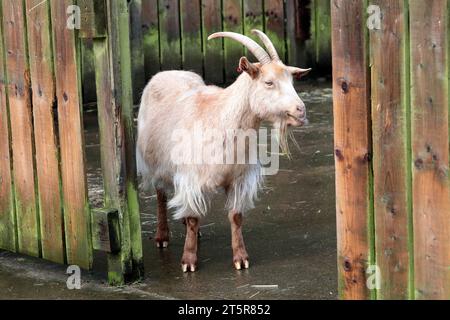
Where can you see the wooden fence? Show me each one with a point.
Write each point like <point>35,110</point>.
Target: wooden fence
<point>391,109</point>
<point>44,209</point>
<point>172,34</point>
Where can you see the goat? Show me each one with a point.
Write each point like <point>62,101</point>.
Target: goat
<point>175,100</point>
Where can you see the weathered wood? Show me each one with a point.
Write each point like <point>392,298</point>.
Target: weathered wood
<point>321,30</point>
<point>351,87</point>
<point>213,50</point>
<point>137,52</point>
<point>430,147</point>
<point>106,230</point>
<point>93,19</point>
<point>73,173</point>
<point>390,130</point>
<point>232,21</point>
<point>169,34</point>
<point>47,168</point>
<point>150,26</point>
<point>7,213</point>
<point>253,19</point>
<point>275,25</point>
<point>21,126</point>
<point>115,107</point>
<point>191,35</point>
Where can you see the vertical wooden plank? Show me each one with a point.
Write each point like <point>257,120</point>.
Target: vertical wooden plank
<point>430,147</point>
<point>213,50</point>
<point>150,26</point>
<point>322,32</point>
<point>232,21</point>
<point>113,74</point>
<point>191,35</point>
<point>73,172</point>
<point>275,25</point>
<point>137,52</point>
<point>253,18</point>
<point>7,213</point>
<point>391,136</point>
<point>351,89</point>
<point>21,126</point>
<point>169,34</point>
<point>43,88</point>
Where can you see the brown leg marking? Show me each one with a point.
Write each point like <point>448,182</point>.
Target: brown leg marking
<point>240,256</point>
<point>162,233</point>
<point>189,259</point>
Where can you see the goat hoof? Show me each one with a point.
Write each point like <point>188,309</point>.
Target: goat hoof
<point>162,244</point>
<point>188,268</point>
<point>239,265</point>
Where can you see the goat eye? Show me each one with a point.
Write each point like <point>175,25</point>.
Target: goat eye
<point>269,83</point>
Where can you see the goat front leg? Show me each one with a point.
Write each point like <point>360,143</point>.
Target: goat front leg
<point>240,256</point>
<point>189,259</point>
<point>162,233</point>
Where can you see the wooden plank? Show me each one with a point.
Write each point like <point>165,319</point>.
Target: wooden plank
<point>106,230</point>
<point>391,136</point>
<point>430,147</point>
<point>191,35</point>
<point>7,213</point>
<point>113,76</point>
<point>275,25</point>
<point>21,126</point>
<point>137,49</point>
<point>43,88</point>
<point>73,169</point>
<point>169,34</point>
<point>352,147</point>
<point>150,26</point>
<point>322,33</point>
<point>253,18</point>
<point>213,50</point>
<point>232,21</point>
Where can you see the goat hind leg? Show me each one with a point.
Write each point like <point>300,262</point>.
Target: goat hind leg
<point>189,259</point>
<point>162,233</point>
<point>240,256</point>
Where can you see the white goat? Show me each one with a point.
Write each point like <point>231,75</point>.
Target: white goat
<point>179,100</point>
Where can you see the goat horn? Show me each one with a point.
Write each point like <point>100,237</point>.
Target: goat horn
<point>250,44</point>
<point>268,44</point>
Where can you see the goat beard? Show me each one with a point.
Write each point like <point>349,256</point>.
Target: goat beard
<point>284,134</point>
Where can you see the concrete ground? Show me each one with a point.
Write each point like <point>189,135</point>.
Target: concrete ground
<point>290,235</point>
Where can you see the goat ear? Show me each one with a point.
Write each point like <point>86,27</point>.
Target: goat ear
<point>299,72</point>
<point>251,68</point>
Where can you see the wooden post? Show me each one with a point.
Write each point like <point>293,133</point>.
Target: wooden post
<point>8,236</point>
<point>73,169</point>
<point>19,94</point>
<point>351,88</point>
<point>169,34</point>
<point>115,112</point>
<point>150,25</point>
<point>191,35</point>
<point>430,147</point>
<point>232,21</point>
<point>213,50</point>
<point>47,158</point>
<point>391,159</point>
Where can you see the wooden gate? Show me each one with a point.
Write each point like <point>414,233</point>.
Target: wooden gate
<point>391,109</point>
<point>44,209</point>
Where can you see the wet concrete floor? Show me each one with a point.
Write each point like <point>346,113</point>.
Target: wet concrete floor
<point>290,235</point>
